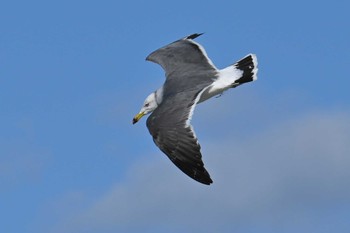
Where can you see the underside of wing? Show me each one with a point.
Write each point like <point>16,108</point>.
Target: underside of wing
<point>168,125</point>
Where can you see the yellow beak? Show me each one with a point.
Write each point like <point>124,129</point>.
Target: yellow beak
<point>138,117</point>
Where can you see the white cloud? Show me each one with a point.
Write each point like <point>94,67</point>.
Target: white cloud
<point>290,177</point>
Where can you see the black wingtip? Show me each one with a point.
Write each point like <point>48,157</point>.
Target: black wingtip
<point>193,36</point>
<point>203,178</point>
<point>198,173</point>
<point>205,181</point>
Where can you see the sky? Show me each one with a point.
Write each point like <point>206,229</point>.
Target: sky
<point>73,74</point>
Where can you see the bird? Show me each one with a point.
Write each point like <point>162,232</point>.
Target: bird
<point>191,78</point>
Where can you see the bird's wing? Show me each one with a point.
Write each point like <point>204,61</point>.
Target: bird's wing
<point>170,128</point>
<point>184,55</point>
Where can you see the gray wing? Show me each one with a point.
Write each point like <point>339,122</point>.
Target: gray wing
<point>186,65</point>
<point>171,132</point>
<point>183,55</point>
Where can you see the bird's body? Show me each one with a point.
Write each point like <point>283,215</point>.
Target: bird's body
<point>191,78</point>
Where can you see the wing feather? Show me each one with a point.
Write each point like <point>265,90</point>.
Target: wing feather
<point>178,141</point>
<point>183,55</point>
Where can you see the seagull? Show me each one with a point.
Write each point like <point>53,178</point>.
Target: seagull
<point>191,78</point>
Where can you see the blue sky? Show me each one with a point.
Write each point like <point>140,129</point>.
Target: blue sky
<point>73,75</point>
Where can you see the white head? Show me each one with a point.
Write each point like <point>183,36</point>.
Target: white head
<point>148,106</point>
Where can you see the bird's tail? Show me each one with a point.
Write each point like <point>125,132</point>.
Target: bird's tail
<point>249,66</point>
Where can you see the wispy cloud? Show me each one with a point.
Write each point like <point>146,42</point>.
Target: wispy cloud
<point>282,180</point>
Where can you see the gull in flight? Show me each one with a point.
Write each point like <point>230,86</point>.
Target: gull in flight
<point>191,78</point>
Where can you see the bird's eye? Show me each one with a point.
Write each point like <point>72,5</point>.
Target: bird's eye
<point>146,105</point>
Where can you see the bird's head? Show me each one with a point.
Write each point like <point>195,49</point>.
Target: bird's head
<point>148,106</point>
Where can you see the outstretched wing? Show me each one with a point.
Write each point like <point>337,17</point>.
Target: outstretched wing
<point>182,55</point>
<point>172,133</point>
